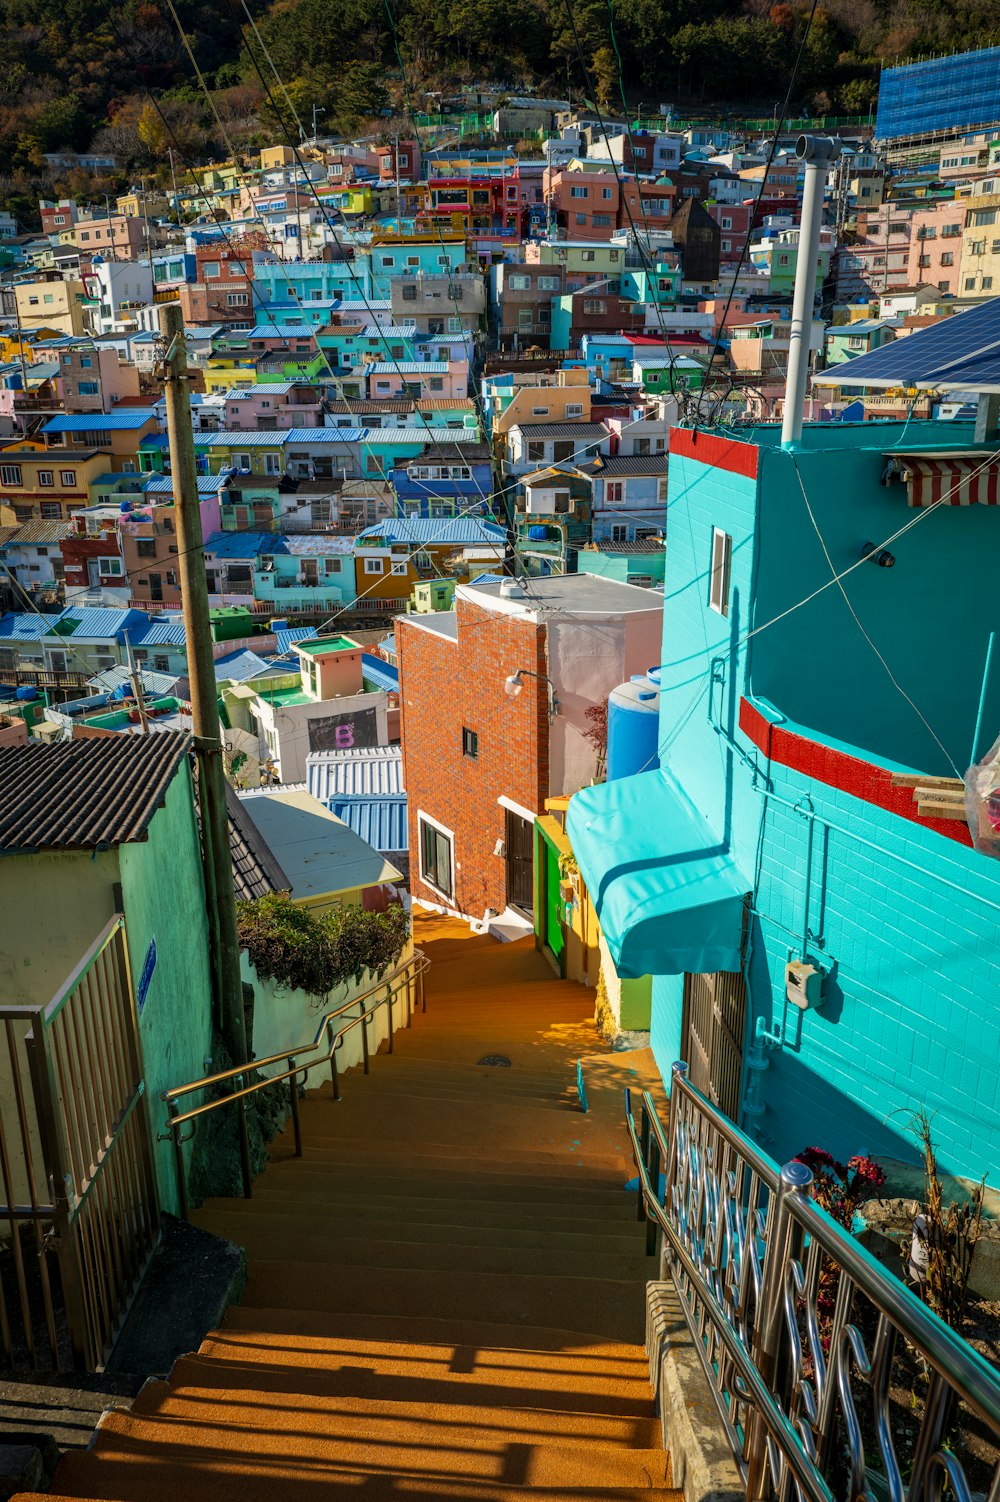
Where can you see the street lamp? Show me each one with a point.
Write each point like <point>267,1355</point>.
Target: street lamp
<point>512,686</point>
<point>315,113</point>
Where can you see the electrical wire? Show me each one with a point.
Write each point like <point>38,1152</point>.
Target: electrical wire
<point>755,212</point>
<point>857,621</point>
<point>644,252</point>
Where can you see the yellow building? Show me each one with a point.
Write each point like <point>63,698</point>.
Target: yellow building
<point>42,484</point>
<point>980,267</point>
<point>276,156</point>
<point>222,374</point>
<point>52,305</point>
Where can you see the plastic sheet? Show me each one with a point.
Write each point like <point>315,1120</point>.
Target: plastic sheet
<point>982,802</point>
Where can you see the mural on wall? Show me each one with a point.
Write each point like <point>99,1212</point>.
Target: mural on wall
<point>344,732</point>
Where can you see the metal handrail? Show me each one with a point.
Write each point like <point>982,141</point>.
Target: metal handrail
<point>385,991</point>
<point>759,1336</point>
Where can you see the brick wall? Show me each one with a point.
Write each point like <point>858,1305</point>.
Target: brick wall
<point>448,685</point>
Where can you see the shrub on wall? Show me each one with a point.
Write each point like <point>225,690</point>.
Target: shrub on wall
<point>290,946</point>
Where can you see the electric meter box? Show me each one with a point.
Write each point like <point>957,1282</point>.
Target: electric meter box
<point>804,984</point>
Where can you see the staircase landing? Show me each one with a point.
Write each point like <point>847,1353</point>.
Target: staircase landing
<point>446,1293</point>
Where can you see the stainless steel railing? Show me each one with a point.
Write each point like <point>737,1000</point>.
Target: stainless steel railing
<point>406,980</point>
<point>832,1379</point>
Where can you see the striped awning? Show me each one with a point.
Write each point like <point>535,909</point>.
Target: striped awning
<point>952,481</point>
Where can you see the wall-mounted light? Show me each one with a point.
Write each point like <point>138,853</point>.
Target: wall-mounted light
<point>880,556</point>
<point>512,686</point>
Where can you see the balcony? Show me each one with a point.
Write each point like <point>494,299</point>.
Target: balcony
<point>42,678</point>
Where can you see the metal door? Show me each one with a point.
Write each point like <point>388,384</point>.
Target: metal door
<point>712,1030</point>
<point>520,841</point>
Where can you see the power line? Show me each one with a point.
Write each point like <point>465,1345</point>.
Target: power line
<point>754,213</point>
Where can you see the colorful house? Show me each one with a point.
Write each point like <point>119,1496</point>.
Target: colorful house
<point>394,555</point>
<point>820,931</point>
<point>306,573</point>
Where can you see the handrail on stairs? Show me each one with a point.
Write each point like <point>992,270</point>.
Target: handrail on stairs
<point>408,976</point>
<point>798,1325</point>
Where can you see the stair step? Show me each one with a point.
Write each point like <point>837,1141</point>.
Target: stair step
<point>233,1218</point>
<point>264,1244</point>
<point>469,1340</point>
<point>392,1440</point>
<point>574,1158</point>
<point>599,1306</point>
<point>569,1176</point>
<point>126,1471</point>
<point>299,1176</point>
<point>547,1379</point>
<point>374,1209</point>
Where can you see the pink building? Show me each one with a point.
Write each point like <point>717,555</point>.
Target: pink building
<point>96,379</point>
<point>734,221</point>
<point>274,405</point>
<point>418,379</point>
<point>586,204</point>
<point>122,236</point>
<point>399,161</point>
<point>936,246</point>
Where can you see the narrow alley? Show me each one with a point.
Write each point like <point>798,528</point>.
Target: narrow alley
<point>446,1292</point>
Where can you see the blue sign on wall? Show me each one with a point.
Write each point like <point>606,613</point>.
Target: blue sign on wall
<point>148,966</point>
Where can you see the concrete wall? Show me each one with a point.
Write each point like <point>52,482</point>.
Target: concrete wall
<point>288,1019</point>
<point>906,919</point>
<point>164,901</point>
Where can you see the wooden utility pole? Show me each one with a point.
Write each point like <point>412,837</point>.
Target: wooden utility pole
<point>220,894</point>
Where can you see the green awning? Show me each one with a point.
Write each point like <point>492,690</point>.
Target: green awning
<point>667,890</point>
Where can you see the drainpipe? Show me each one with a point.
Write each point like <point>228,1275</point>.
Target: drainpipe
<point>817,152</point>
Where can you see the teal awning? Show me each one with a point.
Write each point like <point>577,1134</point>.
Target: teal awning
<point>667,890</point>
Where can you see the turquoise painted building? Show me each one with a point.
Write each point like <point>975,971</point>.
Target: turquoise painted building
<point>779,829</point>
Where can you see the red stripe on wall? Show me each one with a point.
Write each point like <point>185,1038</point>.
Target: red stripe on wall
<point>849,774</point>
<point>720,453</point>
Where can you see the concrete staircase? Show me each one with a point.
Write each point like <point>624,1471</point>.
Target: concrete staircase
<point>446,1293</point>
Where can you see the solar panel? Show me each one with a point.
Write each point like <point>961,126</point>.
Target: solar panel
<point>959,353</point>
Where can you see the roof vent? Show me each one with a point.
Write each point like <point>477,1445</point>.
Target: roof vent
<point>510,589</point>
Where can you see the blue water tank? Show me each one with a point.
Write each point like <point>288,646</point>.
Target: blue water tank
<point>633,724</point>
<point>27,695</point>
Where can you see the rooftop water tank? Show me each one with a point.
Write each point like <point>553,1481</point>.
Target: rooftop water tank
<point>633,724</point>
<point>27,695</point>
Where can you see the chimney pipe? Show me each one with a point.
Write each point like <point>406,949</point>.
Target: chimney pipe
<point>817,152</point>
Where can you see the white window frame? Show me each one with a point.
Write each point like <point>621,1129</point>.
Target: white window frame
<point>67,478</point>
<point>374,566</point>
<point>11,474</point>
<point>720,570</point>
<point>424,819</point>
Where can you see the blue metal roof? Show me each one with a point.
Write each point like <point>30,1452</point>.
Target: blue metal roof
<point>164,485</point>
<point>100,422</point>
<point>234,439</point>
<point>242,544</point>
<point>280,331</point>
<point>378,673</point>
<point>487,579</point>
<point>382,822</point>
<point>238,667</point>
<point>95,622</point>
<point>287,636</point>
<point>457,531</point>
<point>327,435</point>
<point>24,626</point>
<point>408,367</point>
<point>159,633</point>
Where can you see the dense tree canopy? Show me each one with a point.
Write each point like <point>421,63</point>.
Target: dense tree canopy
<point>80,73</point>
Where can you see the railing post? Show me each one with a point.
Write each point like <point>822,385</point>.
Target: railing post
<point>769,1335</point>
<point>175,1137</point>
<point>293,1086</point>
<point>653,1169</point>
<point>241,1107</point>
<point>409,993</point>
<point>364,1034</point>
<point>334,1080</point>
<point>389,993</point>
<point>679,1072</point>
<point>644,1154</point>
<point>423,990</point>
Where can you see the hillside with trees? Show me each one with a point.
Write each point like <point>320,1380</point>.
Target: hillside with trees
<point>79,74</point>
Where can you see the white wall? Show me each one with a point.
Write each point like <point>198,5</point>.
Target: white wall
<point>588,657</point>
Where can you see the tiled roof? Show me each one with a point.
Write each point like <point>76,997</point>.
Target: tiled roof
<point>580,432</point>
<point>82,795</point>
<point>256,871</point>
<point>36,533</point>
<point>624,466</point>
